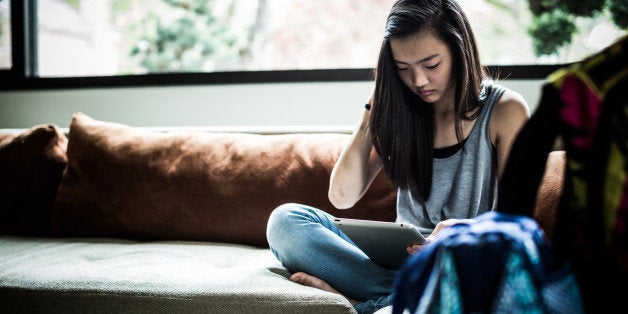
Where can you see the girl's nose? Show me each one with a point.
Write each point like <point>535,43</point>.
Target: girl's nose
<point>419,79</point>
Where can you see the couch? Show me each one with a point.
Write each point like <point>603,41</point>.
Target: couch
<point>106,217</point>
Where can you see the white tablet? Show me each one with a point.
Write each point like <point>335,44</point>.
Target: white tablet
<point>384,242</point>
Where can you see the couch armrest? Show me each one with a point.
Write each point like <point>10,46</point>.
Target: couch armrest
<point>550,192</point>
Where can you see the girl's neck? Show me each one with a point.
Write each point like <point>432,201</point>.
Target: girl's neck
<point>444,111</point>
<point>445,107</point>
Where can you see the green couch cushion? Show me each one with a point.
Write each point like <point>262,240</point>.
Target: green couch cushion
<point>112,275</point>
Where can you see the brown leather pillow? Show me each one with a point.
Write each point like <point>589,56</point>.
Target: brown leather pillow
<point>31,164</point>
<point>126,182</point>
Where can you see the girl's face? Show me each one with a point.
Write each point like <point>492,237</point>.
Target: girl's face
<point>424,64</point>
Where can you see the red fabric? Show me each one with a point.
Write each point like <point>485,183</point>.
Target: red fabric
<point>581,110</point>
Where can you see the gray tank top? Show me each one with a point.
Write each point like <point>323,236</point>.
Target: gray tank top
<point>464,185</point>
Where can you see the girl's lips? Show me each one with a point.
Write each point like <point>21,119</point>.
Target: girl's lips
<point>425,93</point>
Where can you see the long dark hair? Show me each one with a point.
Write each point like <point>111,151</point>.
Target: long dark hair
<point>401,123</point>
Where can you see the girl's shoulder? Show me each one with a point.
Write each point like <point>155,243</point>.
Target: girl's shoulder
<point>511,103</point>
<point>510,112</point>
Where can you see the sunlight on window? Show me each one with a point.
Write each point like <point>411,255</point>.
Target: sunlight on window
<point>113,37</point>
<point>5,35</point>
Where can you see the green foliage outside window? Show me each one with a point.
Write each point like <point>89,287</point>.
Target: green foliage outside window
<point>184,44</point>
<point>1,23</point>
<point>619,13</point>
<point>553,24</point>
<point>73,3</point>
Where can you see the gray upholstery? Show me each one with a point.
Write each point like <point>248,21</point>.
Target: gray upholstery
<point>113,275</point>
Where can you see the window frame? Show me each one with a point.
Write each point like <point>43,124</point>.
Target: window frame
<point>23,72</point>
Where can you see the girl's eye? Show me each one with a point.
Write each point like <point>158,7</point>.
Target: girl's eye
<point>432,67</point>
<point>401,69</point>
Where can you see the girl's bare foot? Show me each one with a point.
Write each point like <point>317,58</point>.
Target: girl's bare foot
<point>315,282</point>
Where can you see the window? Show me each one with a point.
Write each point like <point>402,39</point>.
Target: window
<point>501,29</point>
<point>109,37</point>
<point>113,37</point>
<point>132,42</point>
<point>5,35</point>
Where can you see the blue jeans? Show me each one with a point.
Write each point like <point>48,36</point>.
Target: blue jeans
<point>305,239</point>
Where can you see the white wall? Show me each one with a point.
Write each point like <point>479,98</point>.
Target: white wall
<point>276,104</point>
